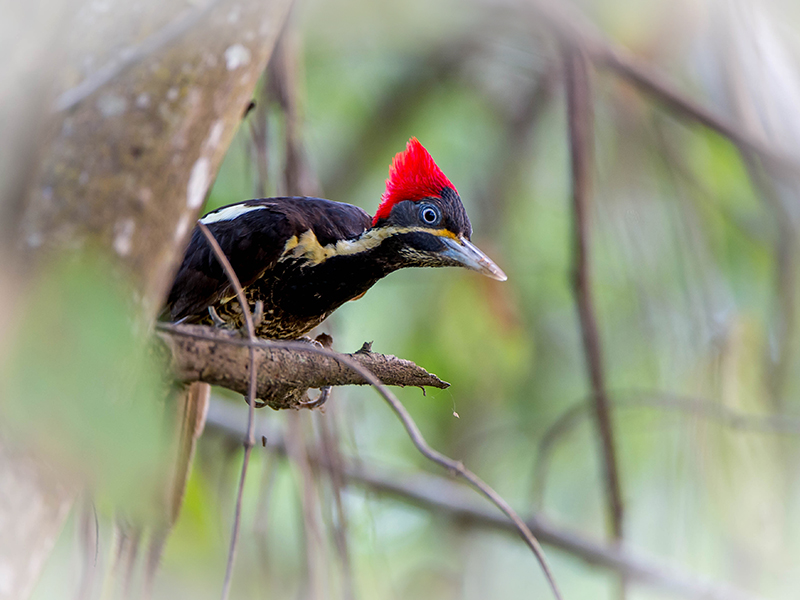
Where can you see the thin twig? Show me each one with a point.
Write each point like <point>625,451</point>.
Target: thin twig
<point>249,440</point>
<point>89,538</point>
<point>680,171</point>
<point>261,523</point>
<point>580,138</point>
<point>330,442</point>
<point>706,409</point>
<point>397,103</point>
<point>130,557</point>
<point>455,467</point>
<point>316,566</point>
<point>284,75</point>
<point>441,494</point>
<point>259,130</point>
<point>787,249</point>
<point>574,29</point>
<point>518,130</point>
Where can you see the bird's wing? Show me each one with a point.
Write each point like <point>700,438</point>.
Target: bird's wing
<point>253,235</point>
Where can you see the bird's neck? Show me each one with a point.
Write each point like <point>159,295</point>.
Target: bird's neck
<point>312,279</point>
<point>360,262</point>
<point>371,251</point>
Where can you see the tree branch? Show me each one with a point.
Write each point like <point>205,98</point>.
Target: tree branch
<point>123,167</point>
<point>574,29</point>
<point>700,408</point>
<point>581,141</point>
<point>444,495</point>
<point>220,357</point>
<point>454,466</point>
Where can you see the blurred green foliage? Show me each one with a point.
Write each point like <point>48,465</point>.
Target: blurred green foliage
<point>83,389</point>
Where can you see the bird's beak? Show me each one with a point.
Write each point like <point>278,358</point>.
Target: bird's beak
<point>468,255</point>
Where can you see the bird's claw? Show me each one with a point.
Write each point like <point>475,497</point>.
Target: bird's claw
<point>307,340</point>
<point>215,318</point>
<point>319,400</point>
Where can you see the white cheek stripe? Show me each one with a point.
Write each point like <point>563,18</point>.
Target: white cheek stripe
<point>308,247</point>
<point>228,214</point>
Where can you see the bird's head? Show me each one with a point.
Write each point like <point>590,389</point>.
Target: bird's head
<point>424,219</point>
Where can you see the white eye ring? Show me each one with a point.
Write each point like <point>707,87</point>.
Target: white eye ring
<point>429,215</point>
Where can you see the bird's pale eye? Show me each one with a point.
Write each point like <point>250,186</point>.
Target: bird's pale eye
<point>430,214</point>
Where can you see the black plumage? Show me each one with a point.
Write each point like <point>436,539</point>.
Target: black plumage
<point>254,243</point>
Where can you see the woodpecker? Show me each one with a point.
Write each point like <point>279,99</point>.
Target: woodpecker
<point>300,258</point>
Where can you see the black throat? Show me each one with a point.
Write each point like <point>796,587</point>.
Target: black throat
<point>298,295</point>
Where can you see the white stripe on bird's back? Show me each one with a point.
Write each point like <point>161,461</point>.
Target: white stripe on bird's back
<point>229,213</point>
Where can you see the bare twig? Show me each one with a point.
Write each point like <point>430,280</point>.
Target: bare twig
<point>698,407</point>
<point>787,250</point>
<point>580,137</point>
<point>573,29</point>
<point>258,149</point>
<point>455,467</point>
<point>129,552</point>
<point>296,450</point>
<point>657,86</point>
<point>284,75</point>
<point>89,538</point>
<point>518,131</point>
<point>329,439</point>
<point>397,104</point>
<point>672,157</point>
<point>283,376</point>
<point>438,493</point>
<point>261,523</point>
<point>249,440</point>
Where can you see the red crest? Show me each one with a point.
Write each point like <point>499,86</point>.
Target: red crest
<point>412,176</point>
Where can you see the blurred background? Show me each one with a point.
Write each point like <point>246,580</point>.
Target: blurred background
<point>691,246</point>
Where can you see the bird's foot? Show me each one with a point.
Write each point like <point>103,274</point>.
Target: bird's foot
<point>317,402</point>
<point>215,318</point>
<point>307,340</point>
<point>323,340</point>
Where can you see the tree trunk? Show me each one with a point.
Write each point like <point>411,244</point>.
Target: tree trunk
<point>147,98</point>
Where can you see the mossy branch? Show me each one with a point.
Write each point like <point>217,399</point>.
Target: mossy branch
<point>220,357</point>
